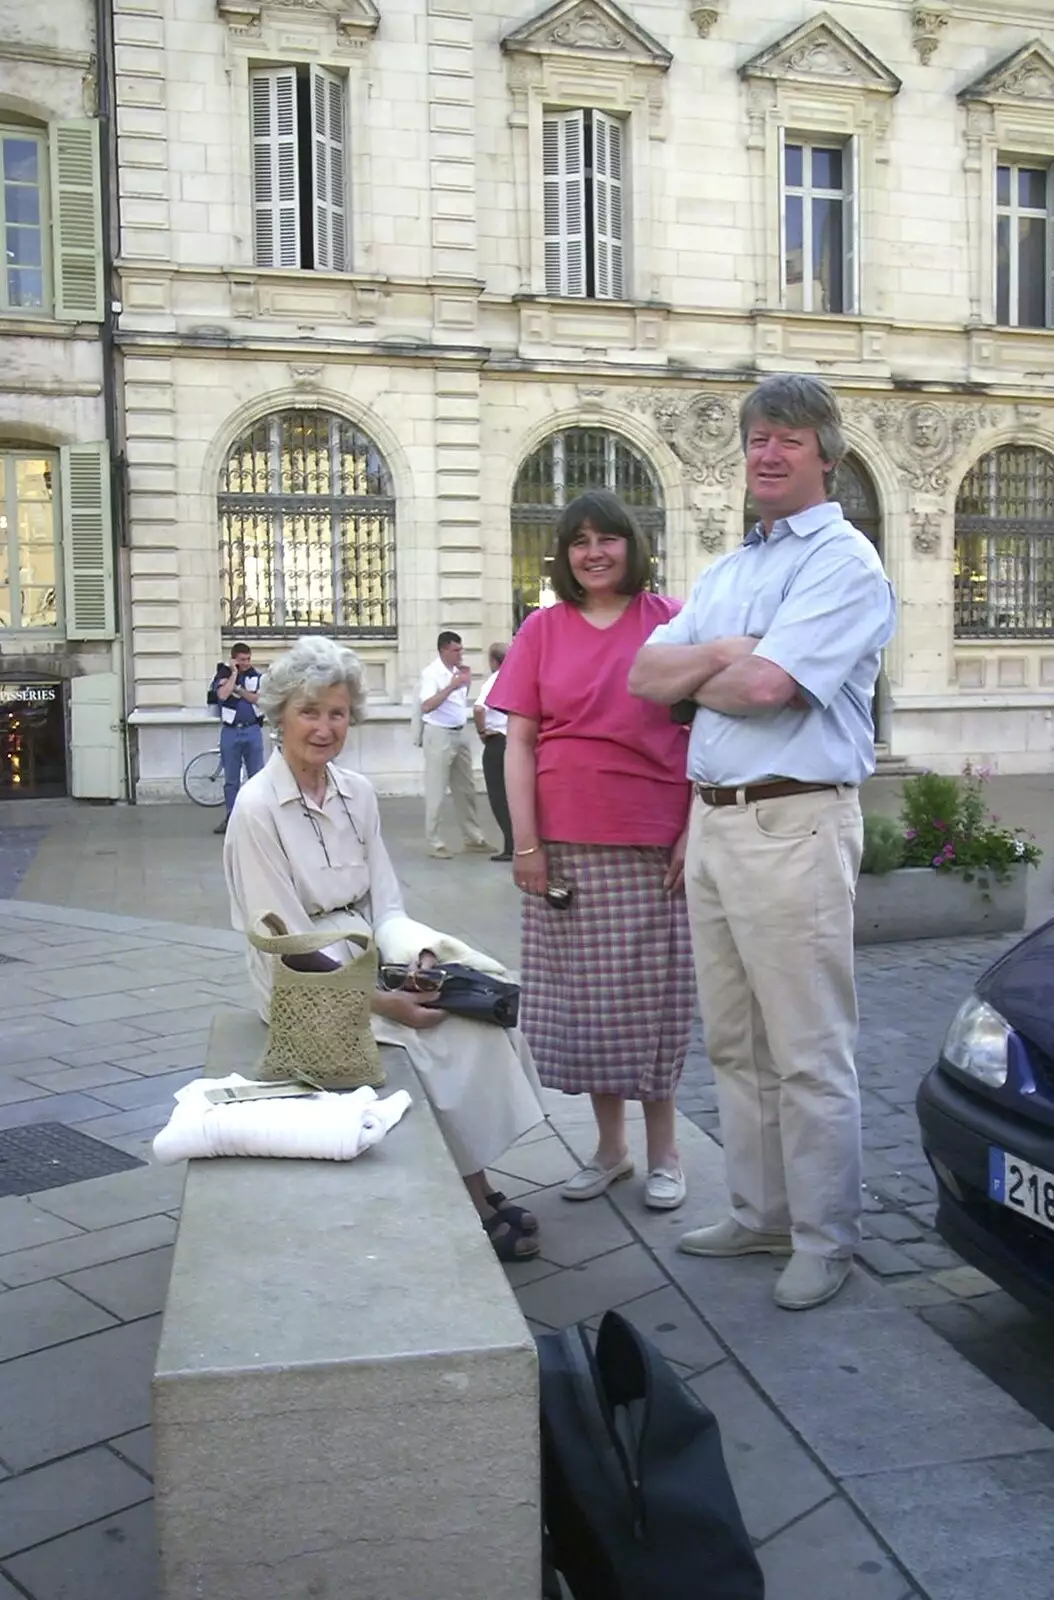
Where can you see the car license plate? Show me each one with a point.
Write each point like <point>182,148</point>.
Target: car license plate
<point>1024,1188</point>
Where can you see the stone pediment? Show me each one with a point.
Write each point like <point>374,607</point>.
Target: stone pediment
<point>595,29</point>
<point>822,51</point>
<point>356,21</point>
<point>1027,75</point>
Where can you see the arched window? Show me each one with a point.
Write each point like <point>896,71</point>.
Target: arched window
<point>307,530</point>
<point>566,465</point>
<point>855,493</point>
<point>1004,546</point>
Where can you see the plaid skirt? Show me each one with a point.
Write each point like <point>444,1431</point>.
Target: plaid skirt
<point>608,984</point>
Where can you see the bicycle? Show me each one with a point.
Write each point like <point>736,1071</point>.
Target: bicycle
<point>203,779</point>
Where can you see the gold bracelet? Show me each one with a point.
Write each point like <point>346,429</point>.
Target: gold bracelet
<point>533,851</point>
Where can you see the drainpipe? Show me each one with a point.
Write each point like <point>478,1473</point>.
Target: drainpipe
<point>110,224</point>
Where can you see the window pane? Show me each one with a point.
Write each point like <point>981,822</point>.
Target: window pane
<point>3,563</point>
<point>24,247</point>
<point>22,204</point>
<point>1032,272</point>
<point>33,478</point>
<point>794,248</point>
<point>1002,285</point>
<point>792,166</point>
<point>21,160</point>
<point>25,286</point>
<point>828,259</point>
<point>38,608</point>
<point>35,526</point>
<point>5,607</point>
<point>1032,188</point>
<point>826,169</point>
<point>1002,186</point>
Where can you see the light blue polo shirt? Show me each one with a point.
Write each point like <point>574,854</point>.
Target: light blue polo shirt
<point>816,594</point>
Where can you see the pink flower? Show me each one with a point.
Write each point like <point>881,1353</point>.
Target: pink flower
<point>938,824</point>
<point>911,833</point>
<point>938,861</point>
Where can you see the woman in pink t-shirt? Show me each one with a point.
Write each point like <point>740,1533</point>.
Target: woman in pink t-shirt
<point>599,800</point>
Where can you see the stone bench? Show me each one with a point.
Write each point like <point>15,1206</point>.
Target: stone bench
<point>345,1398</point>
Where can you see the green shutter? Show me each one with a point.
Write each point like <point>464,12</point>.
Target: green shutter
<point>76,202</point>
<point>87,542</point>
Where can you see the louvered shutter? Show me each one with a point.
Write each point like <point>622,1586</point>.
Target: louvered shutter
<point>1050,247</point>
<point>563,175</point>
<point>329,178</point>
<point>607,206</point>
<point>276,176</point>
<point>87,542</point>
<point>851,226</point>
<point>76,200</point>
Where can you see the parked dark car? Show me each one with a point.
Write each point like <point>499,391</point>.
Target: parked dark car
<point>987,1116</point>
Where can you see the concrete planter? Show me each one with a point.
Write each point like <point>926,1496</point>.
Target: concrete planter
<point>920,903</point>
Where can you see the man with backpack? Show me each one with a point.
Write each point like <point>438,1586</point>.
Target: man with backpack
<point>235,689</point>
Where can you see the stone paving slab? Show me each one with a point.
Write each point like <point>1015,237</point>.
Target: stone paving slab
<point>115,1559</point>
<point>66,1494</point>
<point>64,1399</point>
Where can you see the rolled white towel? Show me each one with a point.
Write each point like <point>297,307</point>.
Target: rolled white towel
<point>322,1126</point>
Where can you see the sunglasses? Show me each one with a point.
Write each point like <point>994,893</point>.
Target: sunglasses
<point>413,980</point>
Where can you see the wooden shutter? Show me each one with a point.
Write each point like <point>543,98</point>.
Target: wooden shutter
<point>87,542</point>
<point>329,178</point>
<point>95,737</point>
<point>76,200</point>
<point>607,206</point>
<point>563,171</point>
<point>276,174</point>
<point>851,225</point>
<point>1050,247</point>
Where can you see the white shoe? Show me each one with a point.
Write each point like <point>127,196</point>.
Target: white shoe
<point>730,1238</point>
<point>439,852</point>
<point>664,1190</point>
<point>808,1280</point>
<point>478,846</point>
<point>595,1179</point>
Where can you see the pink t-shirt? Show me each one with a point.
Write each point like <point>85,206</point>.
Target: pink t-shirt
<point>611,768</point>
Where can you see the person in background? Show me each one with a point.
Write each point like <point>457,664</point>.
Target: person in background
<point>599,802</point>
<point>443,694</point>
<point>235,689</point>
<point>492,726</point>
<point>779,646</point>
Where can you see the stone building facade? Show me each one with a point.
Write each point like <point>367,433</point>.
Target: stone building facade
<point>398,278</point>
<point>61,662</point>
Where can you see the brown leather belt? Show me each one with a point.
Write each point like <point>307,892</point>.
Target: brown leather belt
<point>757,791</point>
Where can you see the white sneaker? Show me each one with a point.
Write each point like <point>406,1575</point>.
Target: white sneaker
<point>730,1238</point>
<point>594,1179</point>
<point>439,852</point>
<point>664,1190</point>
<point>808,1280</point>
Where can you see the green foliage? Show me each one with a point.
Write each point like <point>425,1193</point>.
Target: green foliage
<point>883,844</point>
<point>947,825</point>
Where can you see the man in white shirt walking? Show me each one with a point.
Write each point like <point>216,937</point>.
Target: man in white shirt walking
<point>448,753</point>
<point>492,727</point>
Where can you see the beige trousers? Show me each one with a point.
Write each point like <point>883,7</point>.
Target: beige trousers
<point>770,890</point>
<point>448,764</point>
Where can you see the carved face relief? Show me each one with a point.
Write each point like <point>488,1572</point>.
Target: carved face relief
<point>711,420</point>
<point>926,429</point>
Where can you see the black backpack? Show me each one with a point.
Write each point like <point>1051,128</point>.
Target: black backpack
<point>636,1497</point>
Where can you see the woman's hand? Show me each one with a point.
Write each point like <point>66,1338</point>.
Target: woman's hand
<point>530,873</point>
<point>412,1010</point>
<point>674,879</point>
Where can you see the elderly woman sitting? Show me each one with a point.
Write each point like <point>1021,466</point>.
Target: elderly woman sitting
<point>304,842</point>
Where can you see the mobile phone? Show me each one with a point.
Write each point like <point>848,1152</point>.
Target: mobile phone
<point>225,1094</point>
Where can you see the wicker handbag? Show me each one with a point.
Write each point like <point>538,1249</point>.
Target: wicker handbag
<point>319,1027</point>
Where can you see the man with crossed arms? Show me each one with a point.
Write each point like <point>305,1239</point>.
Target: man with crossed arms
<point>779,646</point>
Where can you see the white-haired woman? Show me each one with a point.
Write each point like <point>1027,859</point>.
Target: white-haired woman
<point>304,841</point>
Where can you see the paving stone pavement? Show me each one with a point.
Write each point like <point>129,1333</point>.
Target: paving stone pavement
<point>888,1486</point>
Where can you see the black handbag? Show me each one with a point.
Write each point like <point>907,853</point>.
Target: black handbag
<point>636,1497</point>
<point>461,990</point>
